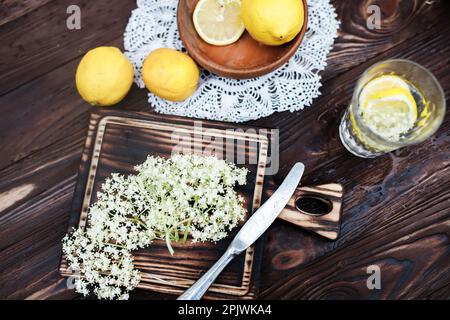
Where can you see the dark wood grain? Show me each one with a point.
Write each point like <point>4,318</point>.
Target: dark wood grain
<point>401,22</point>
<point>40,42</point>
<point>10,10</point>
<point>396,207</point>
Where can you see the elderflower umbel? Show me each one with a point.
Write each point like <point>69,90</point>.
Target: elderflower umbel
<point>167,199</point>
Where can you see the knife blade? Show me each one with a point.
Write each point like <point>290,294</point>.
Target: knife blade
<point>258,223</point>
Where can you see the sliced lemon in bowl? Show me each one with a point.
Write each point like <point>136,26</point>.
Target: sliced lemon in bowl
<point>218,22</point>
<point>388,107</point>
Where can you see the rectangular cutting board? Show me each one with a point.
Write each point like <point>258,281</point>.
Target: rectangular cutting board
<point>118,140</point>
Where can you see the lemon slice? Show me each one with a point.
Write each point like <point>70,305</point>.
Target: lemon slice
<point>387,107</point>
<point>218,22</point>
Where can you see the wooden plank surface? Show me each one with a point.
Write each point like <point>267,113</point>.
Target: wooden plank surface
<point>396,207</point>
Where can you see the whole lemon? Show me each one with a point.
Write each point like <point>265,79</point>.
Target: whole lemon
<point>170,74</point>
<point>104,76</point>
<point>273,22</point>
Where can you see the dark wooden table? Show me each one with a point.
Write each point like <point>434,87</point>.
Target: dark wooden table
<point>396,210</point>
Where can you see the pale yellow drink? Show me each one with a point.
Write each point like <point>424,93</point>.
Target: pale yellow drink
<point>396,103</point>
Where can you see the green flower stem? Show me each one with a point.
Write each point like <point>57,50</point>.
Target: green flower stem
<point>115,245</point>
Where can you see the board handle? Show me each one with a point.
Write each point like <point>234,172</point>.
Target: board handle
<point>316,209</point>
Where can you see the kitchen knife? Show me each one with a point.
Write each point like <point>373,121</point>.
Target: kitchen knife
<point>258,223</point>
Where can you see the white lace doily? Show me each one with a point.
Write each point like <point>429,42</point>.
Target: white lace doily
<point>292,87</point>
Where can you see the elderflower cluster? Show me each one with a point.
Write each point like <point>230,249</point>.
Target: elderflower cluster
<point>168,199</point>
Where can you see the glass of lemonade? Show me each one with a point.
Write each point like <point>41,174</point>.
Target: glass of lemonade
<point>396,103</point>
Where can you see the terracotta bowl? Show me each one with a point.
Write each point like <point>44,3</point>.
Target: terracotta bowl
<point>243,59</point>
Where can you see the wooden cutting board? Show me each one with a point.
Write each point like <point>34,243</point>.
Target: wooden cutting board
<point>117,141</point>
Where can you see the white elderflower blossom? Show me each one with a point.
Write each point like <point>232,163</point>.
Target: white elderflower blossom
<point>167,199</point>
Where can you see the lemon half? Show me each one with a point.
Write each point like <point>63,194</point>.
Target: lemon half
<point>218,22</point>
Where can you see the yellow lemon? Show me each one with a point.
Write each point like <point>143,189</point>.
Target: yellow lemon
<point>273,22</point>
<point>104,76</point>
<point>170,74</point>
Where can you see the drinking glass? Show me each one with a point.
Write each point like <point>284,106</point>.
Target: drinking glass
<point>362,141</point>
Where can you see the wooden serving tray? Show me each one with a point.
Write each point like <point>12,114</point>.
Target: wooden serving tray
<point>117,141</point>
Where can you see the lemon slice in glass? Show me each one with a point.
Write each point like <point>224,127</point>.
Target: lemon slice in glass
<point>218,22</point>
<point>387,107</point>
